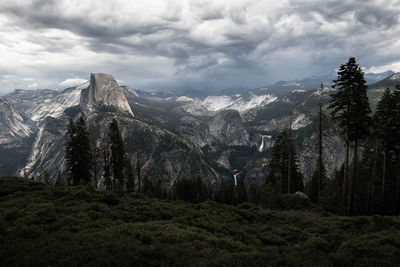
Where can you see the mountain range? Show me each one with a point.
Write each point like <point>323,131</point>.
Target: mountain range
<point>173,135</point>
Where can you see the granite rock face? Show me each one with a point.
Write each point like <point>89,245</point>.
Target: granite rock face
<point>12,126</point>
<point>227,126</point>
<point>103,90</point>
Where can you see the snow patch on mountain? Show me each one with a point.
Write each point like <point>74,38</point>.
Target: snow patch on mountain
<point>237,102</point>
<point>195,107</point>
<point>395,77</point>
<point>290,83</point>
<point>300,121</point>
<point>184,99</point>
<point>325,89</point>
<point>215,103</point>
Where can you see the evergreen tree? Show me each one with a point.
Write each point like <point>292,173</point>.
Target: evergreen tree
<point>241,191</point>
<point>351,111</point>
<point>384,125</point>
<point>138,172</point>
<point>149,188</point>
<point>396,133</point>
<point>117,156</point>
<point>319,176</point>
<point>270,195</point>
<point>225,193</point>
<point>85,152</point>
<point>96,163</point>
<point>280,164</point>
<point>190,189</point>
<point>106,167</point>
<point>317,182</point>
<point>71,154</point>
<point>331,196</point>
<point>78,153</point>
<point>130,179</point>
<point>59,180</point>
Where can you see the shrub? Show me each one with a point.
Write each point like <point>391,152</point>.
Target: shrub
<point>295,202</point>
<point>109,198</point>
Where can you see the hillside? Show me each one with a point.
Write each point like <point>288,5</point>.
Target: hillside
<point>42,225</point>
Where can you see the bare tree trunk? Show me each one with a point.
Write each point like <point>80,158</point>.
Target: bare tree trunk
<point>397,195</point>
<point>353,179</point>
<point>283,174</point>
<point>320,144</point>
<point>138,171</point>
<point>290,152</point>
<point>397,191</point>
<point>372,181</point>
<point>346,177</point>
<point>384,174</point>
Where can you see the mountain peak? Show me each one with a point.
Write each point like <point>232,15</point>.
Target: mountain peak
<point>395,77</point>
<point>103,89</point>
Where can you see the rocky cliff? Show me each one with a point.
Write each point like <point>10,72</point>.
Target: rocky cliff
<point>103,90</point>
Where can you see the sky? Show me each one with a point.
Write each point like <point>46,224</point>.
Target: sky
<point>191,44</point>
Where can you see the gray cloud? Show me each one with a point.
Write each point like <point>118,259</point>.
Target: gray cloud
<point>195,43</point>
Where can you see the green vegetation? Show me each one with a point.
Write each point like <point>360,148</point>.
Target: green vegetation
<point>351,111</point>
<point>42,225</point>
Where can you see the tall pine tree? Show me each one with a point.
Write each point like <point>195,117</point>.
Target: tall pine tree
<point>319,176</point>
<point>117,156</point>
<point>384,125</point>
<point>280,163</point>
<point>78,154</point>
<point>351,111</point>
<point>396,132</point>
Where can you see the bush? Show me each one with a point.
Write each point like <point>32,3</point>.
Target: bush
<point>295,202</point>
<point>40,226</point>
<point>109,198</point>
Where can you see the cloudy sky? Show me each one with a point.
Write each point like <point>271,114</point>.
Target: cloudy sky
<point>162,45</point>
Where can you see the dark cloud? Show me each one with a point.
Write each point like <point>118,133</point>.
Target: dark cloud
<point>198,44</point>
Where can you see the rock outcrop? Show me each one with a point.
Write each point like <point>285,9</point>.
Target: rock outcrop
<point>228,128</point>
<point>12,125</point>
<point>103,90</point>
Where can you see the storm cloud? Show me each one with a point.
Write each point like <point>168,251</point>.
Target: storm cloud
<point>162,45</point>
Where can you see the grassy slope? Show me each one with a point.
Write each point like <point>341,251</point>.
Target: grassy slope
<point>42,225</point>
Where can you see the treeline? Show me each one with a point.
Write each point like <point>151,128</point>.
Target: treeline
<point>368,182</point>
<point>106,165</point>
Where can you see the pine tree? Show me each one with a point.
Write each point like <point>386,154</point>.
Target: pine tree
<point>130,179</point>
<point>241,191</point>
<point>106,166</point>
<point>384,125</point>
<point>78,155</point>
<point>71,154</point>
<point>317,182</point>
<point>280,164</point>
<point>117,156</point>
<point>138,172</point>
<point>85,152</point>
<point>351,111</point>
<point>396,134</point>
<point>319,176</point>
